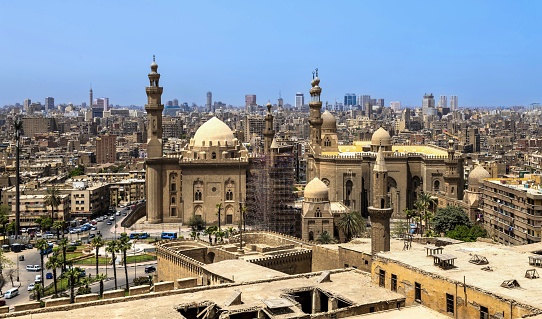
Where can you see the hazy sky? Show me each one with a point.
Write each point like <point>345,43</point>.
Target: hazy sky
<point>488,53</point>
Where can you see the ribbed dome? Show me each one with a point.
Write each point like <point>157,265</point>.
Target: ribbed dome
<point>329,121</point>
<point>477,175</point>
<point>316,189</point>
<point>213,130</point>
<point>381,137</point>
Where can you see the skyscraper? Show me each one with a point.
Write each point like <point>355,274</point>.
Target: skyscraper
<point>299,100</point>
<point>250,100</point>
<point>395,105</point>
<point>363,99</point>
<point>443,102</point>
<point>102,102</point>
<point>26,105</point>
<point>379,102</point>
<point>209,103</point>
<point>428,104</point>
<point>453,103</point>
<point>49,103</point>
<point>175,102</point>
<point>350,99</point>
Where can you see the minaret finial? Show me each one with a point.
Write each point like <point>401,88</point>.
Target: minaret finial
<point>316,72</point>
<point>153,58</point>
<point>313,75</point>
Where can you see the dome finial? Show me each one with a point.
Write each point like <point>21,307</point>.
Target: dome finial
<point>316,72</point>
<point>154,58</point>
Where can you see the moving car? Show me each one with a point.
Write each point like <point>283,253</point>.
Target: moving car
<point>150,269</point>
<point>31,286</point>
<point>38,279</point>
<point>11,293</point>
<point>109,223</point>
<point>49,275</point>
<point>33,267</point>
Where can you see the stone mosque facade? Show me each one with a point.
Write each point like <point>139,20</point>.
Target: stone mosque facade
<point>347,170</point>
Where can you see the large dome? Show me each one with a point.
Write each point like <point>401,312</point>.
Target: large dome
<point>316,189</point>
<point>381,137</point>
<point>329,121</point>
<point>215,131</point>
<point>477,175</point>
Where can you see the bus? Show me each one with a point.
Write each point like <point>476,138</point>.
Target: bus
<point>139,235</point>
<point>47,250</point>
<point>169,235</point>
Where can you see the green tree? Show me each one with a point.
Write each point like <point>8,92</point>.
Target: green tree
<point>63,244</point>
<point>54,262</point>
<point>41,246</point>
<point>325,238</point>
<point>193,235</point>
<point>58,226</point>
<point>196,222</point>
<point>112,247</point>
<point>209,231</point>
<point>466,233</point>
<point>38,291</point>
<point>422,205</point>
<point>123,246</point>
<point>44,223</point>
<point>79,170</point>
<point>101,278</point>
<point>10,227</point>
<point>53,199</point>
<point>73,275</point>
<point>5,210</point>
<point>449,217</point>
<point>97,243</point>
<point>219,208</point>
<point>351,224</point>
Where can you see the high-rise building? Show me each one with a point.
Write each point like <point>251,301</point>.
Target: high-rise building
<point>350,99</point>
<point>26,104</point>
<point>453,103</point>
<point>102,102</point>
<point>428,104</point>
<point>443,102</point>
<point>209,103</point>
<point>395,105</point>
<point>299,100</point>
<point>250,100</point>
<point>379,102</point>
<point>363,99</point>
<point>175,102</point>
<point>106,149</point>
<point>49,103</point>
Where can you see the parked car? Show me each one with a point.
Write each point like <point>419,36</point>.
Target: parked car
<point>29,246</point>
<point>109,223</point>
<point>33,267</point>
<point>49,275</point>
<point>31,286</point>
<point>38,279</point>
<point>150,269</point>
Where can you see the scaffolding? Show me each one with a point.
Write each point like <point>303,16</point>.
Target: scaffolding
<point>270,193</point>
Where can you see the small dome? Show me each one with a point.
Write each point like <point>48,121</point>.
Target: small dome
<point>215,131</point>
<point>329,121</point>
<point>477,175</point>
<point>381,137</point>
<point>316,189</point>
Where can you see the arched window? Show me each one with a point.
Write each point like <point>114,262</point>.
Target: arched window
<point>173,200</point>
<point>436,186</point>
<point>311,235</point>
<point>229,195</point>
<point>173,187</point>
<point>318,212</point>
<point>198,195</point>
<point>213,155</point>
<point>348,192</point>
<point>327,142</point>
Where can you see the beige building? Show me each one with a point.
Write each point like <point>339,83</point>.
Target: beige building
<point>33,207</point>
<point>106,149</point>
<point>88,197</point>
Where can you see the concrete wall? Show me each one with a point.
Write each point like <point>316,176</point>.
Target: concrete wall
<point>290,263</point>
<point>27,306</point>
<point>114,294</point>
<point>356,259</point>
<point>187,283</point>
<point>87,297</point>
<point>468,299</point>
<point>57,302</point>
<point>164,286</point>
<point>139,290</point>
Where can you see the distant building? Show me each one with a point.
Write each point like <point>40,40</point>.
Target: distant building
<point>453,103</point>
<point>250,100</point>
<point>209,103</point>
<point>49,103</point>
<point>428,104</point>
<point>299,100</point>
<point>26,104</point>
<point>363,99</point>
<point>106,149</point>
<point>380,102</point>
<point>175,102</point>
<point>102,102</point>
<point>395,105</point>
<point>350,99</point>
<point>443,102</point>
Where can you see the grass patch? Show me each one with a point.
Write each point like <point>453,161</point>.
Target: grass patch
<point>92,261</point>
<point>139,258</point>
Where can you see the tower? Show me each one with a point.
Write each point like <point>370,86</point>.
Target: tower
<point>90,97</point>
<point>315,116</point>
<point>452,174</point>
<point>268,132</point>
<point>154,110</point>
<point>209,103</point>
<point>380,212</point>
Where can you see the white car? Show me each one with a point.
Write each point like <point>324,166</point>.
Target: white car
<point>33,267</point>
<point>31,286</point>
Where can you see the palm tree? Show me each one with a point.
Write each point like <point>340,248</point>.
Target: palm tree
<point>325,238</point>
<point>123,246</point>
<point>54,262</point>
<point>219,207</point>
<point>351,224</point>
<point>193,235</point>
<point>42,245</point>
<point>112,247</point>
<point>53,199</point>
<point>58,225</point>
<point>210,231</point>
<point>4,217</point>
<point>73,274</point>
<point>410,214</point>
<point>101,278</point>
<point>63,244</point>
<point>96,243</point>
<point>38,289</point>
<point>422,205</point>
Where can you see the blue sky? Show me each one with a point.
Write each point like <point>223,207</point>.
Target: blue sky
<point>488,53</point>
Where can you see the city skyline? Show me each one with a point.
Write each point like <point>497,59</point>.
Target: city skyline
<point>483,52</point>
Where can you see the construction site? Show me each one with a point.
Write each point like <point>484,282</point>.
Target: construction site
<point>270,197</point>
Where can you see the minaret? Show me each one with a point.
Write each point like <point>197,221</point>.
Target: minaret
<point>154,110</point>
<point>315,118</point>
<point>91,98</point>
<point>451,175</point>
<point>380,212</point>
<point>268,133</point>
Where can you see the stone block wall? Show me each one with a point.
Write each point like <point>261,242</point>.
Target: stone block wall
<point>27,306</point>
<point>139,290</point>
<point>356,259</point>
<point>164,286</point>
<point>290,263</point>
<point>113,294</point>
<point>324,258</point>
<point>468,299</point>
<point>87,297</point>
<point>173,265</point>
<point>187,283</point>
<point>57,302</point>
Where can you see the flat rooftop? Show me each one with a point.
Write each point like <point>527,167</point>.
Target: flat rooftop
<point>241,271</point>
<point>417,311</point>
<point>252,295</point>
<point>357,147</point>
<point>507,262</point>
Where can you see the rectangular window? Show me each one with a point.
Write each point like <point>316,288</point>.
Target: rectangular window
<point>450,307</point>
<point>173,211</point>
<point>417,291</point>
<point>393,282</point>
<point>484,313</point>
<point>382,278</point>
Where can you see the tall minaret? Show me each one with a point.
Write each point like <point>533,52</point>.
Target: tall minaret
<point>154,110</point>
<point>268,132</point>
<point>452,174</point>
<point>315,118</point>
<point>91,97</point>
<point>380,212</point>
